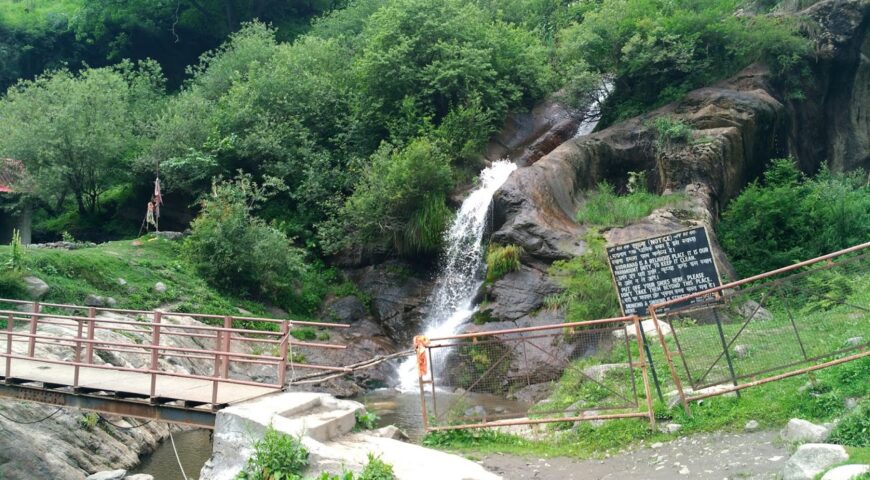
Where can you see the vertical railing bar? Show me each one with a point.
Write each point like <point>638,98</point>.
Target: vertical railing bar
<point>432,376</point>
<point>651,364</point>
<point>10,327</point>
<point>155,352</point>
<point>225,363</point>
<point>282,364</point>
<point>89,349</point>
<point>643,368</point>
<point>78,354</point>
<point>31,344</point>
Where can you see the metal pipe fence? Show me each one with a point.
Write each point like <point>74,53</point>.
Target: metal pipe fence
<point>570,372</point>
<point>790,321</point>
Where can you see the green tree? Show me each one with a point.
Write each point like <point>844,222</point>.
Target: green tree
<point>78,133</point>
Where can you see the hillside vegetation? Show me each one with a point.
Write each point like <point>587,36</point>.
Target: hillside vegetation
<point>365,115</point>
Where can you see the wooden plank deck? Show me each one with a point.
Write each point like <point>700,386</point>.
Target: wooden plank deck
<point>133,383</point>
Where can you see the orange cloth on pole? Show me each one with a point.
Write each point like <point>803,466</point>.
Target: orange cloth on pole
<point>420,344</point>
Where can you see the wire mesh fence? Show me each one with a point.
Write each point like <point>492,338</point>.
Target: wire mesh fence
<point>795,320</point>
<point>555,373</point>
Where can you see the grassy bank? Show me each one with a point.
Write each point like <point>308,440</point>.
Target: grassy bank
<point>127,271</point>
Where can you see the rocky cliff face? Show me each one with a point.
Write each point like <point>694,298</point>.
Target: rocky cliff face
<point>738,125</point>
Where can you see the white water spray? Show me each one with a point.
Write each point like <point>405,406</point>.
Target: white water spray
<point>462,266</point>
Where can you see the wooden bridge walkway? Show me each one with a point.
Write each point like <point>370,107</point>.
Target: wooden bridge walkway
<point>144,364</point>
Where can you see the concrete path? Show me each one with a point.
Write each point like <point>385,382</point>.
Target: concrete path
<point>713,456</point>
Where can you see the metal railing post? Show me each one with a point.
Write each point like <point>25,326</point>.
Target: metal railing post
<point>225,364</point>
<point>89,349</point>
<point>725,349</point>
<point>641,344</point>
<point>155,352</point>
<point>10,326</point>
<point>78,355</point>
<point>282,364</point>
<point>31,343</point>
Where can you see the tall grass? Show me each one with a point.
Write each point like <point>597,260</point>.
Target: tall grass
<point>605,209</point>
<point>501,260</point>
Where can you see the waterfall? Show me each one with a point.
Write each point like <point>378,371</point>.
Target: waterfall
<point>462,266</point>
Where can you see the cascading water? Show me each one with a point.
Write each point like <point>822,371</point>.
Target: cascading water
<point>462,266</point>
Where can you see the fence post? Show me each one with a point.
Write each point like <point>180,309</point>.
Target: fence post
<point>282,364</point>
<point>78,357</point>
<point>641,344</point>
<point>670,360</point>
<point>10,327</point>
<point>225,364</point>
<point>725,350</point>
<point>89,349</point>
<point>649,359</point>
<point>31,344</point>
<point>155,352</point>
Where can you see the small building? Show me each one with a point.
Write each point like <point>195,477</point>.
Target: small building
<point>10,172</point>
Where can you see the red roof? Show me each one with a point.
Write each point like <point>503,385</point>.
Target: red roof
<point>10,172</point>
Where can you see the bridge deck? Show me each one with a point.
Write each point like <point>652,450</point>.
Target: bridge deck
<point>133,383</point>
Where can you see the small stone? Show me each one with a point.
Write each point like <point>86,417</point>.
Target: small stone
<point>110,302</point>
<point>751,426</point>
<point>95,301</point>
<point>684,470</point>
<point>121,282</point>
<point>160,287</point>
<point>846,472</point>
<point>855,342</point>
<point>741,351</point>
<point>671,428</point>
<point>812,459</point>
<point>754,310</point>
<point>657,445</point>
<point>108,475</point>
<point>850,403</point>
<point>390,431</point>
<point>476,411</point>
<point>802,431</point>
<point>139,476</point>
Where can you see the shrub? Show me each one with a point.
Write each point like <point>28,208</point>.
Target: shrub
<point>604,208</point>
<point>376,469</point>
<point>670,131</point>
<point>303,333</point>
<point>854,430</point>
<point>11,284</point>
<point>237,251</point>
<point>366,420</point>
<point>790,217</point>
<point>501,260</point>
<point>276,457</point>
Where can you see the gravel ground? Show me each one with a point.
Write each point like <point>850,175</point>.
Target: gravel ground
<point>714,456</point>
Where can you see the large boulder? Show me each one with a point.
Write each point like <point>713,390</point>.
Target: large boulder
<point>398,295</point>
<point>812,459</point>
<point>347,309</point>
<point>35,287</point>
<point>802,431</point>
<point>517,294</point>
<point>846,472</point>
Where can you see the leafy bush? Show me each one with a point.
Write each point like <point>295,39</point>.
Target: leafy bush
<point>657,50</point>
<point>237,251</point>
<point>501,260</point>
<point>854,430</point>
<point>670,131</point>
<point>11,284</point>
<point>587,282</point>
<point>366,420</point>
<point>376,469</point>
<point>401,199</point>
<point>16,254</point>
<point>303,333</point>
<point>790,217</point>
<point>604,208</point>
<point>276,457</point>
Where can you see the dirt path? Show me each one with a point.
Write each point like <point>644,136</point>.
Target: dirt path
<point>714,456</point>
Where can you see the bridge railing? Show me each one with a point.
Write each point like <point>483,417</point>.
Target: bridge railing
<point>790,321</point>
<point>152,342</point>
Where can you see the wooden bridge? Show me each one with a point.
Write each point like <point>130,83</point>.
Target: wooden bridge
<point>173,368</point>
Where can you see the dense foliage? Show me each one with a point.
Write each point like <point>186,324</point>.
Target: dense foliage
<point>370,112</point>
<point>790,217</point>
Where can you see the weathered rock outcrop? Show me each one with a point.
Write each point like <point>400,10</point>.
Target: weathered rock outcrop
<point>739,124</point>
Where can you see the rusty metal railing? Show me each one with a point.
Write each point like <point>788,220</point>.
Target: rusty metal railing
<point>571,372</point>
<point>151,339</point>
<point>790,321</point>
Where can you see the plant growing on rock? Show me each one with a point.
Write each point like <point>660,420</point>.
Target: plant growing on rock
<point>670,132</point>
<point>501,260</point>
